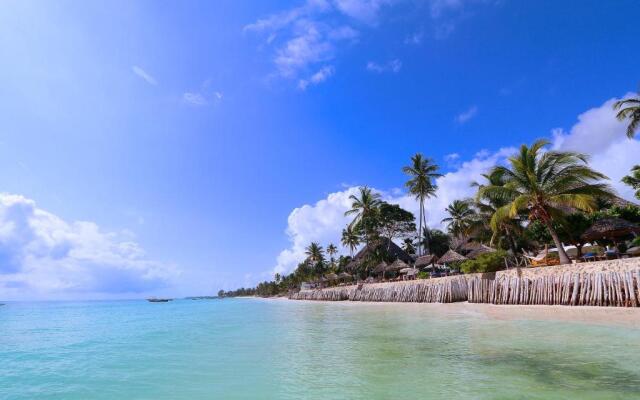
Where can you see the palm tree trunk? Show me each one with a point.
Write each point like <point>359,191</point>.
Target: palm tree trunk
<point>564,258</point>
<point>424,217</point>
<point>512,243</point>
<point>420,228</point>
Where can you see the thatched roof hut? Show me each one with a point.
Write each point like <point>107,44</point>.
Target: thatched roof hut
<point>425,260</point>
<point>331,277</point>
<point>610,228</point>
<point>482,249</point>
<point>397,265</point>
<point>409,271</point>
<point>451,257</point>
<point>345,275</point>
<point>380,268</point>
<point>392,250</point>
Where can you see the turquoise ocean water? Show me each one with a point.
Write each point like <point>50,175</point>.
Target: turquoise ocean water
<point>253,349</point>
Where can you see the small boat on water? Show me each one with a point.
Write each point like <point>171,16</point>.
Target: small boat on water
<point>155,300</point>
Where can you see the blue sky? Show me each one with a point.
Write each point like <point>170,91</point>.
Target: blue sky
<point>181,147</point>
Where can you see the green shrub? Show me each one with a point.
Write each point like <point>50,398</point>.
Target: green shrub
<point>487,262</point>
<point>635,242</point>
<point>423,275</point>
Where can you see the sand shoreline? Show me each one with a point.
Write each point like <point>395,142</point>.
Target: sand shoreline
<point>617,316</point>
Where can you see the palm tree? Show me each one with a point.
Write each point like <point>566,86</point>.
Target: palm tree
<point>314,253</point>
<point>332,250</point>
<point>629,109</point>
<point>408,246</point>
<point>422,171</point>
<point>633,179</point>
<point>350,239</point>
<point>542,184</point>
<point>461,217</point>
<point>487,206</point>
<point>363,206</point>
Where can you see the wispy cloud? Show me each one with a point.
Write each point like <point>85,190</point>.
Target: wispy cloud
<point>305,38</point>
<point>300,40</point>
<point>363,10</point>
<point>465,116</point>
<point>144,75</point>
<point>195,99</point>
<point>204,96</point>
<point>415,38</point>
<point>322,75</point>
<point>451,157</point>
<point>391,66</point>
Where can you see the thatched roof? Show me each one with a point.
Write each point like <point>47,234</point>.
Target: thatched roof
<point>409,271</point>
<point>344,275</point>
<point>397,265</point>
<point>480,250</point>
<point>331,277</point>
<point>380,268</point>
<point>393,252</point>
<point>609,228</point>
<point>425,260</point>
<point>469,246</point>
<point>451,256</point>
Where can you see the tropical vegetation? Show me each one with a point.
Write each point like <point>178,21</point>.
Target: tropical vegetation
<point>540,197</point>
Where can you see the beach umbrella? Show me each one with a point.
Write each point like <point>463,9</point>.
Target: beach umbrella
<point>405,270</point>
<point>610,228</point>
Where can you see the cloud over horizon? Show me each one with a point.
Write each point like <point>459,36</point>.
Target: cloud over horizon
<point>42,256</point>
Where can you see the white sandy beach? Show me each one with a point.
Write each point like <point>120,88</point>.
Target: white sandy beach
<point>629,317</point>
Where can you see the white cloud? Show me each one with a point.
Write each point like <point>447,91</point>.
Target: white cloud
<point>451,157</point>
<point>204,96</point>
<point>144,75</point>
<point>43,256</point>
<point>308,46</point>
<point>195,99</point>
<point>599,134</point>
<point>465,116</point>
<point>391,66</point>
<point>322,75</point>
<point>414,38</point>
<point>363,10</point>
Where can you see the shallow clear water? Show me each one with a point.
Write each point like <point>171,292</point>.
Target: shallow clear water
<point>252,349</point>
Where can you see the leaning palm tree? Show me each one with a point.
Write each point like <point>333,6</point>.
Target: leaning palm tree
<point>629,109</point>
<point>363,206</point>
<point>543,184</point>
<point>633,179</point>
<point>350,239</point>
<point>422,172</point>
<point>461,217</point>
